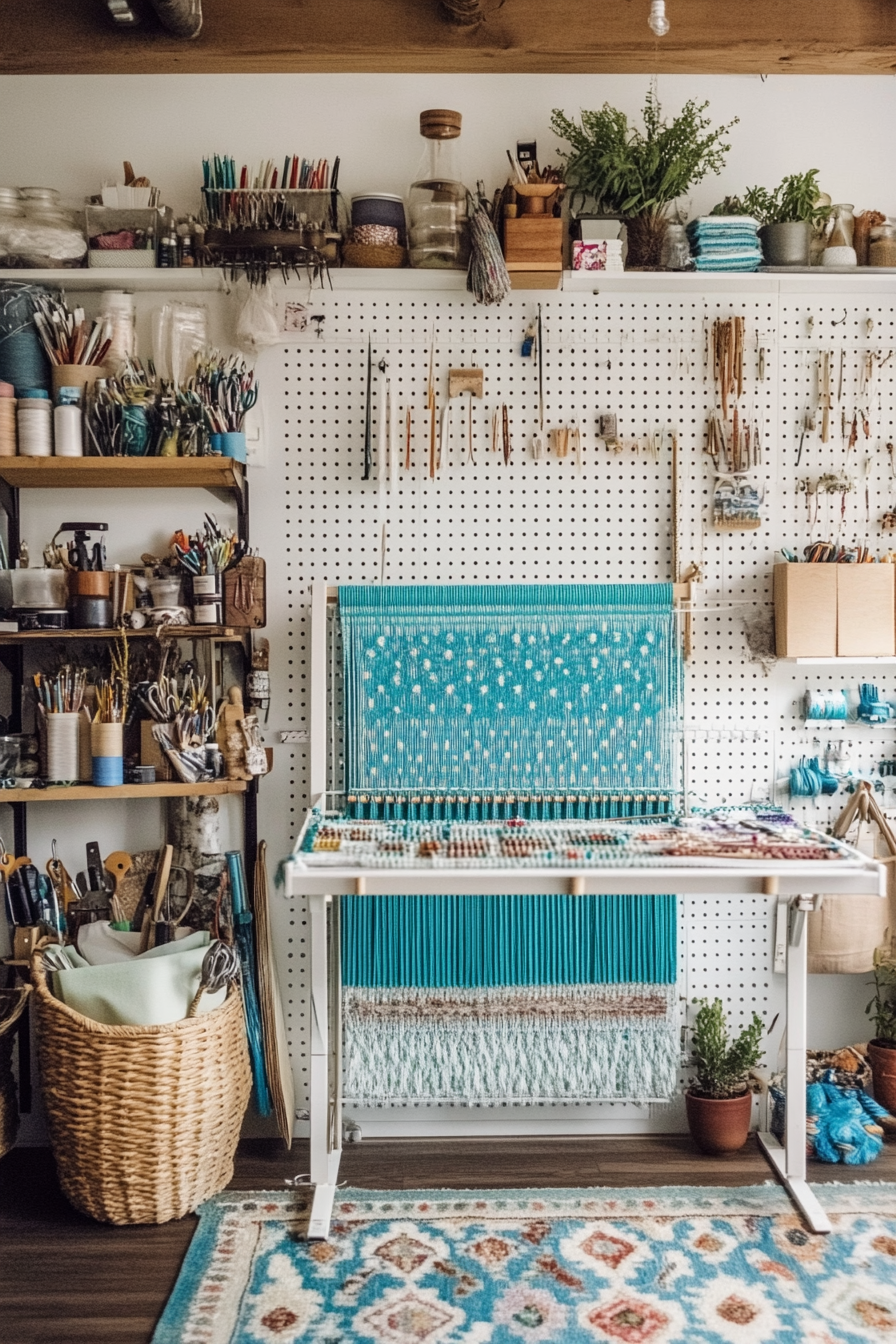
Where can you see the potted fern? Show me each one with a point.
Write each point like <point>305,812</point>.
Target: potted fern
<point>719,1101</point>
<point>882,1012</point>
<point>635,174</point>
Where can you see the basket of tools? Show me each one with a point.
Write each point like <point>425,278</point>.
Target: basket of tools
<point>12,1005</point>
<point>144,1120</point>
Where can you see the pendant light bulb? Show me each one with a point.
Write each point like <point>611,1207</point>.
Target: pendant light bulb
<point>657,21</point>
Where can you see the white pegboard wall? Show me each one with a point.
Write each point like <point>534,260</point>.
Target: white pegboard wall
<point>644,358</point>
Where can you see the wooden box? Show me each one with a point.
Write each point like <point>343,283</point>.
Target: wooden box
<point>806,610</point>
<point>866,616</point>
<point>536,241</point>
<point>245,594</point>
<point>151,753</point>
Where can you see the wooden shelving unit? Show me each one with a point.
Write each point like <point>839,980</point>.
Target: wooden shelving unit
<point>78,793</point>
<point>115,473</point>
<point>224,633</point>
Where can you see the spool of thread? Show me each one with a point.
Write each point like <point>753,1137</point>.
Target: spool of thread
<point>68,431</point>
<point>23,361</point>
<point>34,423</point>
<point>107,752</point>
<point>62,747</point>
<point>7,425</point>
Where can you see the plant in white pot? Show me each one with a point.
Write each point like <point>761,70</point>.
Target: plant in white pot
<point>882,1012</point>
<point>635,175</point>
<point>719,1101</point>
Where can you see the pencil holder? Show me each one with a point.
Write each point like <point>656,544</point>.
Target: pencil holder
<point>107,750</point>
<point>62,747</point>
<point>234,445</point>
<point>75,375</point>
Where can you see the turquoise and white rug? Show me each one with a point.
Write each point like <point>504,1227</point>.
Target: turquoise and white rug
<point>672,1265</point>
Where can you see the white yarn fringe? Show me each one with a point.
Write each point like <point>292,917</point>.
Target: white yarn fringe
<point>519,1044</point>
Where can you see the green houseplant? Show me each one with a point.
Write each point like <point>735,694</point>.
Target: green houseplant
<point>636,174</point>
<point>786,215</point>
<point>882,1012</point>
<point>719,1101</point>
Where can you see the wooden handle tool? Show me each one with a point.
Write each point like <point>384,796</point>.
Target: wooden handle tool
<point>159,890</point>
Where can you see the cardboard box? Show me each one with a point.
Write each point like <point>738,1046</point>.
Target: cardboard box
<point>806,610</point>
<point>866,615</point>
<point>151,753</point>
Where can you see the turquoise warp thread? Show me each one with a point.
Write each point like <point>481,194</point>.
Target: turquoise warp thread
<point>474,942</point>
<point>511,689</point>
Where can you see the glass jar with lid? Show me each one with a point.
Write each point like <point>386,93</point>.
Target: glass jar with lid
<point>882,248</point>
<point>437,201</point>
<point>843,226</point>
<point>676,253</point>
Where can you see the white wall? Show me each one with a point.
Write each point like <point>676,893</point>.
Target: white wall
<point>74,131</point>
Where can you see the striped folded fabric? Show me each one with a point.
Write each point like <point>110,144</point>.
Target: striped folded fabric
<point>725,243</point>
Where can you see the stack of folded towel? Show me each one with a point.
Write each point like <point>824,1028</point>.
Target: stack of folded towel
<point>725,243</point>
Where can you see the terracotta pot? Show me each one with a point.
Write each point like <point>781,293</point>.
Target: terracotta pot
<point>645,234</point>
<point>883,1070</point>
<point>719,1125</point>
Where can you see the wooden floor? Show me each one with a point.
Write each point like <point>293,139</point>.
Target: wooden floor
<point>64,1278</point>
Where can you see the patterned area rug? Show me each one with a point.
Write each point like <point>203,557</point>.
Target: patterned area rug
<point>662,1266</point>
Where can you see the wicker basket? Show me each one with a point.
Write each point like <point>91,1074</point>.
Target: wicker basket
<point>12,1005</point>
<point>144,1121</point>
<point>385,256</point>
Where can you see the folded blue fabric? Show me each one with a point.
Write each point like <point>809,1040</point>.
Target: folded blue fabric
<point>735,263</point>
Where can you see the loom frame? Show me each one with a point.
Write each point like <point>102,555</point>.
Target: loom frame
<point>799,886</point>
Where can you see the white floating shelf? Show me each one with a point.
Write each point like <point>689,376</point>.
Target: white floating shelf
<point>138,278</point>
<point>841,662</point>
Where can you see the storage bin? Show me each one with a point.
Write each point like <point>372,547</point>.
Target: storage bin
<point>806,610</point>
<point>143,1121</point>
<point>866,616</point>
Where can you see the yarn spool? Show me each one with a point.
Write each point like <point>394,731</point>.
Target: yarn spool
<point>831,705</point>
<point>22,359</point>
<point>7,420</point>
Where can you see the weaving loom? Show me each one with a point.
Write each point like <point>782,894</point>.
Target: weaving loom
<point>504,904</point>
<point>484,702</point>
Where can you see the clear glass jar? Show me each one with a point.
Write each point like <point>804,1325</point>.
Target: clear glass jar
<point>437,201</point>
<point>882,248</point>
<point>843,226</point>
<point>676,254</point>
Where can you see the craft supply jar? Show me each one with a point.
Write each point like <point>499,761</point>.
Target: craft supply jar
<point>676,253</point>
<point>437,201</point>
<point>62,734</point>
<point>107,753</point>
<point>68,425</point>
<point>843,225</point>
<point>882,248</point>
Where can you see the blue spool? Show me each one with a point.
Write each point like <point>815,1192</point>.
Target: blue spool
<point>108,771</point>
<point>22,359</point>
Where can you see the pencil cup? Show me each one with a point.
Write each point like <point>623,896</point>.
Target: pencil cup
<point>75,375</point>
<point>62,747</point>
<point>234,445</point>
<point>107,750</point>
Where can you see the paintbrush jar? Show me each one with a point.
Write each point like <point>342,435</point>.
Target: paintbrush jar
<point>437,201</point>
<point>107,753</point>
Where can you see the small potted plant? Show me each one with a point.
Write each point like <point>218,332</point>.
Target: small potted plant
<point>786,216</point>
<point>635,175</point>
<point>719,1102</point>
<point>882,1012</point>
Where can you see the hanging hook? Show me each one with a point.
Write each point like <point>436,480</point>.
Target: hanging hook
<point>841,321</point>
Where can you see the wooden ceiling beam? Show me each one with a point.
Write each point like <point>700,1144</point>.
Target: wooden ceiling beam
<point>415,36</point>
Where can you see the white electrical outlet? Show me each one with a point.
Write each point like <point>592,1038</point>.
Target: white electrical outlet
<point>256,446</point>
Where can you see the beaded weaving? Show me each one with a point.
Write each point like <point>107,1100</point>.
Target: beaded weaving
<point>483,726</point>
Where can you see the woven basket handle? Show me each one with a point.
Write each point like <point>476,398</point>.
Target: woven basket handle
<point>220,967</point>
